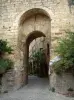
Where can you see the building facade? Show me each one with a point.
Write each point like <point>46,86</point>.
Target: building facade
<point>22,21</point>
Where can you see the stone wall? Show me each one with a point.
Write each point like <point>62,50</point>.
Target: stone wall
<point>11,10</point>
<point>62,83</point>
<point>61,14</point>
<point>7,81</point>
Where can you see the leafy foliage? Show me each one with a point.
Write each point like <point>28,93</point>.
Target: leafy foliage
<point>73,1</point>
<point>40,63</point>
<point>5,64</point>
<point>39,56</point>
<point>4,48</point>
<point>65,49</point>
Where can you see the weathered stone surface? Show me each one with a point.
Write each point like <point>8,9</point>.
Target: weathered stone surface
<point>17,21</point>
<point>62,83</point>
<point>8,81</point>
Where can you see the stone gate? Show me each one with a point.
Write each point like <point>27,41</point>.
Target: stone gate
<point>22,21</point>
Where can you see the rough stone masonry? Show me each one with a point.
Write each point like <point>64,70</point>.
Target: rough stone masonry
<point>21,21</point>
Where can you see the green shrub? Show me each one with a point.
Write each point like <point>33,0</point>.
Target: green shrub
<point>5,64</point>
<point>4,48</point>
<point>65,50</point>
<point>58,67</point>
<point>40,65</point>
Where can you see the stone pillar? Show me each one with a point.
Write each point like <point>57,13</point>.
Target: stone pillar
<point>25,62</point>
<point>47,49</point>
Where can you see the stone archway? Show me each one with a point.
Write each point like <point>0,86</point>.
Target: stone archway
<point>33,24</point>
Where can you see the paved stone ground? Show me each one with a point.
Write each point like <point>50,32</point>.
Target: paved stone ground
<point>37,89</point>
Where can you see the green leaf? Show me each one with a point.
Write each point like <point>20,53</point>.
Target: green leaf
<point>65,49</point>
